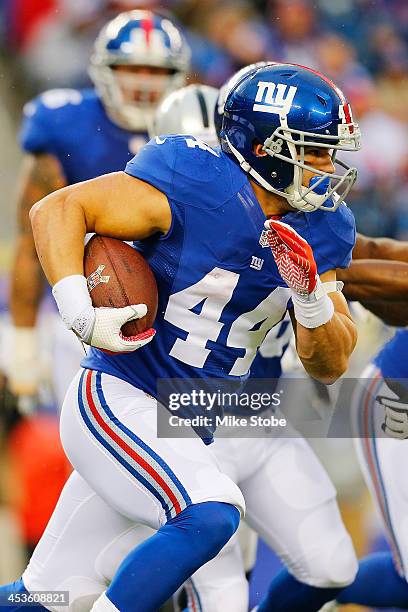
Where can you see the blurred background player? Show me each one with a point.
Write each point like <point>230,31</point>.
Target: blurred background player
<point>74,135</point>
<point>71,135</point>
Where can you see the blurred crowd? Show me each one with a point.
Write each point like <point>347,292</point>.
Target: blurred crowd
<point>362,44</point>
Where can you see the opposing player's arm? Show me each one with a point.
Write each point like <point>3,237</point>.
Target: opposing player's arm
<point>381,286</point>
<point>374,279</point>
<point>115,205</point>
<point>325,350</point>
<point>40,175</point>
<point>380,248</point>
<point>391,313</point>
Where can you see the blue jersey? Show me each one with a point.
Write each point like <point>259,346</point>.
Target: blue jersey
<point>392,360</point>
<point>219,288</point>
<point>73,126</point>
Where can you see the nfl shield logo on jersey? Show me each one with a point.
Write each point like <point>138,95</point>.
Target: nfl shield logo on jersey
<point>263,239</point>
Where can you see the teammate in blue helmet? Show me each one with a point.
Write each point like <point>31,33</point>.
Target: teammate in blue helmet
<point>138,58</point>
<point>71,135</point>
<point>227,271</point>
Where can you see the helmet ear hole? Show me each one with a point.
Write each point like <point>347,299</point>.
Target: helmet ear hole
<point>257,148</point>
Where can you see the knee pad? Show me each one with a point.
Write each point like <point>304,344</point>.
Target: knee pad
<point>83,592</point>
<point>83,603</point>
<point>342,564</point>
<point>332,564</point>
<point>326,556</point>
<point>212,524</point>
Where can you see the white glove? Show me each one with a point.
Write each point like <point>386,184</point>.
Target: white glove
<point>23,370</point>
<point>98,327</point>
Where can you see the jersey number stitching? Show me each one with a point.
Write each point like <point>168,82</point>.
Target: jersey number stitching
<point>214,291</point>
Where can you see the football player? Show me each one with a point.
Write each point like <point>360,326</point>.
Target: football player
<point>201,216</point>
<point>70,136</point>
<point>378,278</point>
<point>189,110</point>
<point>379,284</point>
<point>322,560</point>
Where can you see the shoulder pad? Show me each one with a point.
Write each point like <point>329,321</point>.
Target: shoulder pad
<point>42,115</point>
<point>187,170</point>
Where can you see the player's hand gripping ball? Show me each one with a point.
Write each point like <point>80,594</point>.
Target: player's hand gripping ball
<point>124,293</point>
<point>294,257</point>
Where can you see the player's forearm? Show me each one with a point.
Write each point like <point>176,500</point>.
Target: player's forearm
<point>59,228</point>
<point>368,279</point>
<point>40,175</point>
<point>391,313</point>
<point>27,283</point>
<point>380,248</point>
<point>325,351</point>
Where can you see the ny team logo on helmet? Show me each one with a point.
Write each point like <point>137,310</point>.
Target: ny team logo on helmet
<point>147,41</point>
<point>274,98</point>
<point>287,108</point>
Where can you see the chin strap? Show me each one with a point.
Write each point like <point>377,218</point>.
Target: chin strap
<point>249,169</point>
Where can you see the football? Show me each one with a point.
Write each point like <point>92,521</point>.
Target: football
<point>118,276</point>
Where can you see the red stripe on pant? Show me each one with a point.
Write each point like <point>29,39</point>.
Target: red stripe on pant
<point>125,447</point>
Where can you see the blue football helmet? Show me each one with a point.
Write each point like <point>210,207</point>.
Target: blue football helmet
<point>150,42</point>
<point>287,108</point>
